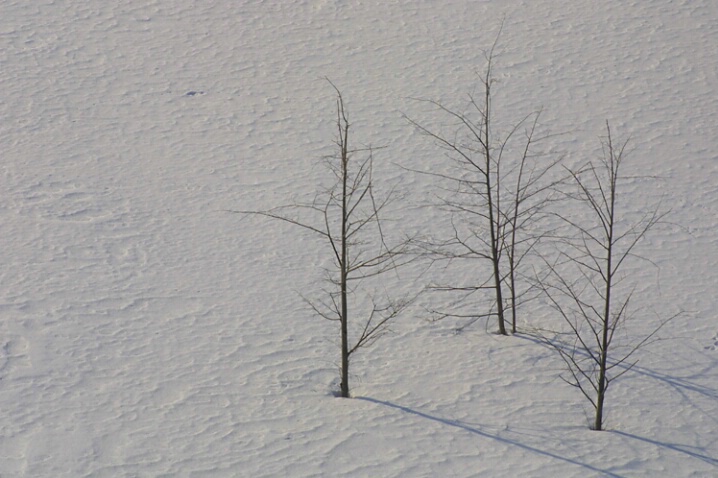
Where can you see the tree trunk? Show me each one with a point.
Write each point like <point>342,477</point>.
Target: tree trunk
<point>344,265</point>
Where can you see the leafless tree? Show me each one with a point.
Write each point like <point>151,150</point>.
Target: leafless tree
<point>585,283</point>
<point>496,192</point>
<point>347,217</point>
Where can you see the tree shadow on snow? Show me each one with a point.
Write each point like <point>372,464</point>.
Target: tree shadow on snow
<point>672,446</point>
<point>681,385</point>
<point>476,431</point>
<point>684,386</point>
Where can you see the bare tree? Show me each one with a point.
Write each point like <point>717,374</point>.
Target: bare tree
<point>585,282</point>
<point>496,193</point>
<point>347,216</point>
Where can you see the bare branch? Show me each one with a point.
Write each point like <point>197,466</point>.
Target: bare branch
<point>347,214</point>
<point>588,305</point>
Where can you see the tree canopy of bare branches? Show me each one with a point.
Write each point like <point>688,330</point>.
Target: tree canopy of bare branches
<point>496,193</point>
<point>347,216</point>
<point>584,283</point>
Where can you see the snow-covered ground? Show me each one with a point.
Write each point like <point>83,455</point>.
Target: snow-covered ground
<point>146,331</point>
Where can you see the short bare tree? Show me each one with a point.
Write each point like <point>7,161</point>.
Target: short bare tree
<point>347,217</point>
<point>496,193</point>
<point>585,283</point>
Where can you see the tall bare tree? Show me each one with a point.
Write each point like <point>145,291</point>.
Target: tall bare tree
<point>347,217</point>
<point>496,193</point>
<point>585,282</point>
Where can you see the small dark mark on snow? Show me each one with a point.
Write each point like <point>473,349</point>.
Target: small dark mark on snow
<point>194,93</point>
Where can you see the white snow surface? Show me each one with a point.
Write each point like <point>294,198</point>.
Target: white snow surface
<point>146,331</point>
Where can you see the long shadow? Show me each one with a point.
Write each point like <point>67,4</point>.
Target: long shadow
<point>671,446</point>
<point>456,424</point>
<point>677,383</point>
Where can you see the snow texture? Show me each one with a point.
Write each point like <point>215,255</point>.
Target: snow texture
<point>145,331</point>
